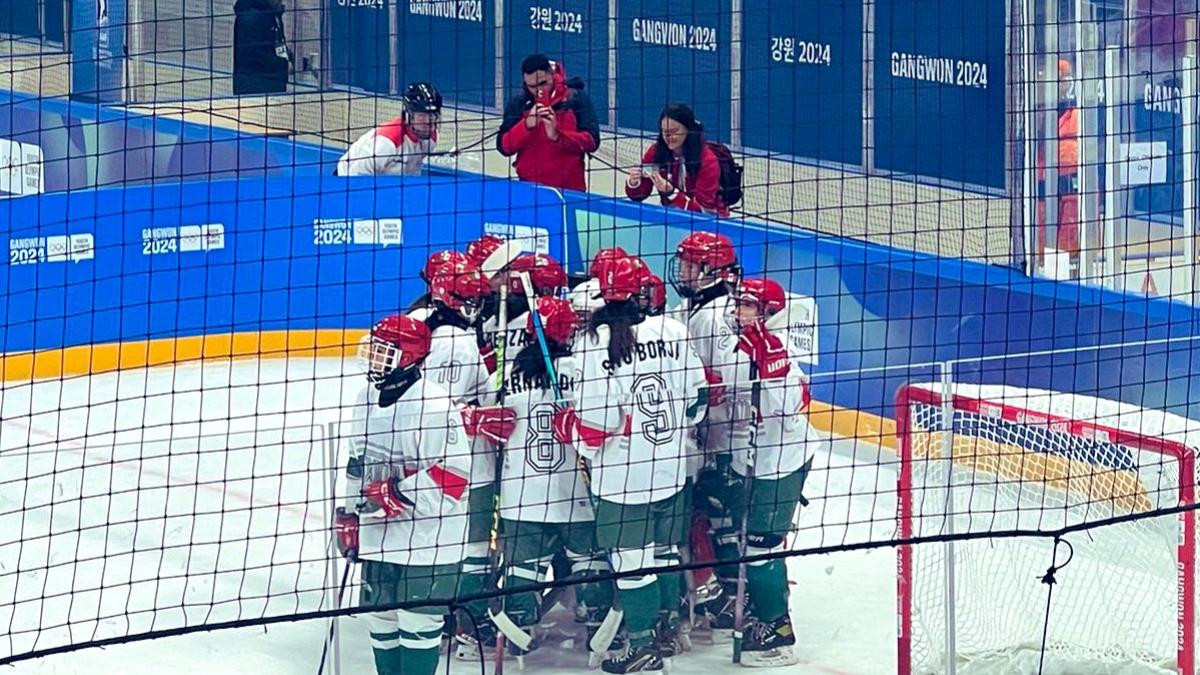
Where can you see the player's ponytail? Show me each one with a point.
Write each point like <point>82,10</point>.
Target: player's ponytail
<point>529,366</point>
<point>620,317</point>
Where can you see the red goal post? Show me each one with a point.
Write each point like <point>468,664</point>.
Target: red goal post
<point>1030,461</point>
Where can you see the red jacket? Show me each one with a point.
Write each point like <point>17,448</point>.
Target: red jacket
<point>540,160</point>
<point>701,192</point>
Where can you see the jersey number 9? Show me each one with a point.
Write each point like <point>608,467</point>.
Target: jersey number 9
<point>652,402</point>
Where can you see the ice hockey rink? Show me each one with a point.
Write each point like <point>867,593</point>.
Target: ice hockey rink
<point>199,488</point>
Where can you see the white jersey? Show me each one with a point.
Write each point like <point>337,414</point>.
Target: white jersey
<point>454,363</point>
<point>715,342</point>
<point>654,393</point>
<point>784,437</point>
<point>541,480</point>
<point>420,440</point>
<point>390,149</point>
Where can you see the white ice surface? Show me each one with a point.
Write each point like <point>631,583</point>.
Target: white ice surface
<point>166,483</point>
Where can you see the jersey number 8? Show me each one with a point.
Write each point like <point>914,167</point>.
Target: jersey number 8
<point>544,454</point>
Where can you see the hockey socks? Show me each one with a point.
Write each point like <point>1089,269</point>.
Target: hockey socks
<point>405,643</point>
<point>670,584</point>
<point>640,598</point>
<point>767,583</point>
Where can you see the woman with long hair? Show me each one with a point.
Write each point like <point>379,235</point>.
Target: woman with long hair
<point>679,166</point>
<point>639,392</point>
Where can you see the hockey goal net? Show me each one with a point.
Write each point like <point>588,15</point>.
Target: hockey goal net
<point>999,460</point>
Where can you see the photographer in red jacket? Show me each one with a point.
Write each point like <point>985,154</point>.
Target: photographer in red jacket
<point>679,166</point>
<point>549,126</point>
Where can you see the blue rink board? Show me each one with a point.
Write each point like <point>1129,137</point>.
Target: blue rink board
<point>878,307</point>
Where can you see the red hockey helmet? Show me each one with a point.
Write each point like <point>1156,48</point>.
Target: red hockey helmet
<point>767,294</point>
<point>441,258</point>
<point>703,260</point>
<point>546,275</point>
<point>712,250</point>
<point>620,278</point>
<point>481,248</point>
<point>460,286</point>
<point>397,342</point>
<point>558,320</point>
<point>655,291</point>
<point>604,254</point>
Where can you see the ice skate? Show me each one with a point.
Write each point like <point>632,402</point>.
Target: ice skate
<point>644,659</point>
<point>769,644</point>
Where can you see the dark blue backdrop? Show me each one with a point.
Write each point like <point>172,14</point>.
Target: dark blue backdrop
<point>457,54</point>
<point>802,78</point>
<point>573,31</point>
<point>358,45</point>
<point>696,72</point>
<point>941,129</point>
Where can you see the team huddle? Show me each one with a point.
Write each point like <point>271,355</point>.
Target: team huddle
<point>514,431</point>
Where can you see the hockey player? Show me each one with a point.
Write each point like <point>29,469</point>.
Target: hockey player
<point>605,254</point>
<point>404,517</point>
<point>483,247</point>
<point>640,390</point>
<point>704,272</point>
<point>544,503</point>
<point>398,147</point>
<point>654,292</point>
<point>458,291</point>
<point>547,277</point>
<point>771,460</point>
<point>420,308</point>
<point>585,300</point>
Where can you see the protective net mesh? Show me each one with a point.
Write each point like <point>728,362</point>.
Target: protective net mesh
<point>1008,460</point>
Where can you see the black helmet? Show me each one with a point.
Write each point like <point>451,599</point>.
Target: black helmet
<point>422,97</point>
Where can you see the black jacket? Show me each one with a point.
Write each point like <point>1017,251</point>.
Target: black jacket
<point>257,39</point>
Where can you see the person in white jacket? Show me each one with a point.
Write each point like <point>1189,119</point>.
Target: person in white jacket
<point>398,147</point>
<point>405,512</point>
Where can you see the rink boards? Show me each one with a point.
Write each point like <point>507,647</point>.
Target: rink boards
<point>102,279</point>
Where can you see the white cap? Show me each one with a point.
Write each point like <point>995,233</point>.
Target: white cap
<point>586,296</point>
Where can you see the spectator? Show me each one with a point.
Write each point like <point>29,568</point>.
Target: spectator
<point>400,146</point>
<point>679,166</point>
<point>549,126</point>
<point>260,53</point>
<point>1067,167</point>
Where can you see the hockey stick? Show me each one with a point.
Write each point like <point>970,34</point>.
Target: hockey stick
<point>493,263</point>
<point>333,624</point>
<point>607,631</point>
<point>739,603</point>
<point>501,258</point>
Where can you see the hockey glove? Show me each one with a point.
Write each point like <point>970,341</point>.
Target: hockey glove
<point>569,429</point>
<point>345,528</point>
<point>565,426</point>
<point>716,387</point>
<point>386,495</point>
<point>766,350</point>
<point>493,423</point>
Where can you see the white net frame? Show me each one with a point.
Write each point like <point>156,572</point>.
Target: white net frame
<point>1035,461</point>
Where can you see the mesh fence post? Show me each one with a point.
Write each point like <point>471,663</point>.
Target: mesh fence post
<point>946,370</point>
<point>331,571</point>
